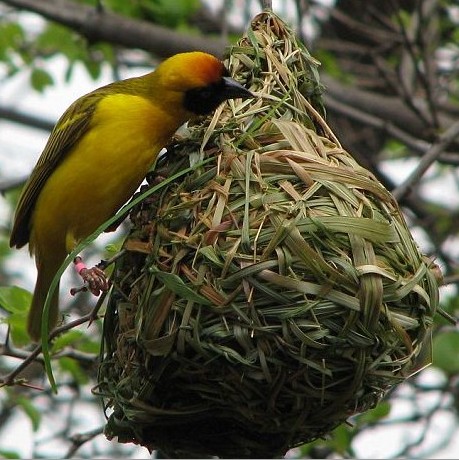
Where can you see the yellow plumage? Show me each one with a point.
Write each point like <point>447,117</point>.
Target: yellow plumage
<point>98,154</point>
<point>115,154</point>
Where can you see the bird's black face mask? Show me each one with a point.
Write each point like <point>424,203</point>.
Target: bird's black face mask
<point>202,101</point>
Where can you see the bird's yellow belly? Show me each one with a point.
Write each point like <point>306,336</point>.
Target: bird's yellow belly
<point>102,172</point>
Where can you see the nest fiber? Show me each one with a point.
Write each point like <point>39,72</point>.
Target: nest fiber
<point>270,292</point>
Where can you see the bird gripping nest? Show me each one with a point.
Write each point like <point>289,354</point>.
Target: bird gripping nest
<point>271,292</point>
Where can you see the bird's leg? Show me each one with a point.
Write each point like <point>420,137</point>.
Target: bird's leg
<point>94,278</point>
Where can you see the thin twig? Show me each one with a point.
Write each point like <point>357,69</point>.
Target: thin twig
<point>118,29</point>
<point>7,350</point>
<point>452,279</point>
<point>81,438</point>
<point>9,379</point>
<point>427,76</point>
<point>427,160</point>
<point>406,92</point>
<point>418,145</point>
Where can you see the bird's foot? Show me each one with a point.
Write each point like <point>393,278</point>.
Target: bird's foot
<point>95,279</point>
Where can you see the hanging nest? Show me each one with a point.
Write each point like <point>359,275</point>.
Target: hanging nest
<point>271,292</point>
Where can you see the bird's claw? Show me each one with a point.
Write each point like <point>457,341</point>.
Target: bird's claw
<point>95,279</point>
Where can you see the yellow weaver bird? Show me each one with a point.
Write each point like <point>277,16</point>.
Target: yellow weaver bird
<point>98,154</point>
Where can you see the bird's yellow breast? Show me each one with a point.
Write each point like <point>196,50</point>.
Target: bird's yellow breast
<point>102,171</point>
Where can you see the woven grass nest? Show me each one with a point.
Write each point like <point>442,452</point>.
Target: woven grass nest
<point>269,293</point>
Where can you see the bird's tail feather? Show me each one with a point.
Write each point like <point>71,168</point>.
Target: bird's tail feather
<point>45,276</point>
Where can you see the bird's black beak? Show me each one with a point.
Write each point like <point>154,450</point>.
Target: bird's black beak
<point>234,90</point>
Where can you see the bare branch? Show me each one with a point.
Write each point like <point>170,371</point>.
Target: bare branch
<point>13,115</point>
<point>427,160</point>
<point>102,25</point>
<point>10,379</point>
<point>388,108</point>
<point>369,119</point>
<point>81,438</point>
<point>410,72</point>
<point>453,279</point>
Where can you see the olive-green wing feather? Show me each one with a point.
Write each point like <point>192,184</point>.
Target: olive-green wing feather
<point>68,131</point>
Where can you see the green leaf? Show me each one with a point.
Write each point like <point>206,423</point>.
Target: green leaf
<point>342,439</point>
<point>5,249</point>
<point>124,8</point>
<point>11,34</point>
<point>18,333</point>
<point>114,248</point>
<point>15,299</point>
<point>67,339</point>
<point>93,67</point>
<point>40,79</point>
<point>90,346</point>
<point>74,369</point>
<point>30,410</point>
<point>77,339</point>
<point>374,415</point>
<point>11,38</point>
<point>59,39</point>
<point>170,14</point>
<point>445,355</point>
<point>9,454</point>
<point>339,441</point>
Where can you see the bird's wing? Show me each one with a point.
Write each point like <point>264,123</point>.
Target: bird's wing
<point>68,131</point>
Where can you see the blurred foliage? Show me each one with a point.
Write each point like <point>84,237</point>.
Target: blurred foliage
<point>173,15</point>
<point>22,46</point>
<point>330,64</point>
<point>4,453</point>
<point>16,302</point>
<point>340,440</point>
<point>29,42</point>
<point>445,352</point>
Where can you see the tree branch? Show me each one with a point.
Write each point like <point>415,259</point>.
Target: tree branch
<point>105,25</point>
<point>427,160</point>
<point>369,119</point>
<point>81,438</point>
<point>10,378</point>
<point>22,118</point>
<point>102,25</point>
<point>390,109</point>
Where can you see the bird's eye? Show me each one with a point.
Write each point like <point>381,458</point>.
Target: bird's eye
<point>202,101</point>
<point>205,93</point>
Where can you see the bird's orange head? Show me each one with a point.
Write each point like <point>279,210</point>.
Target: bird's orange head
<point>186,71</point>
<point>201,79</point>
